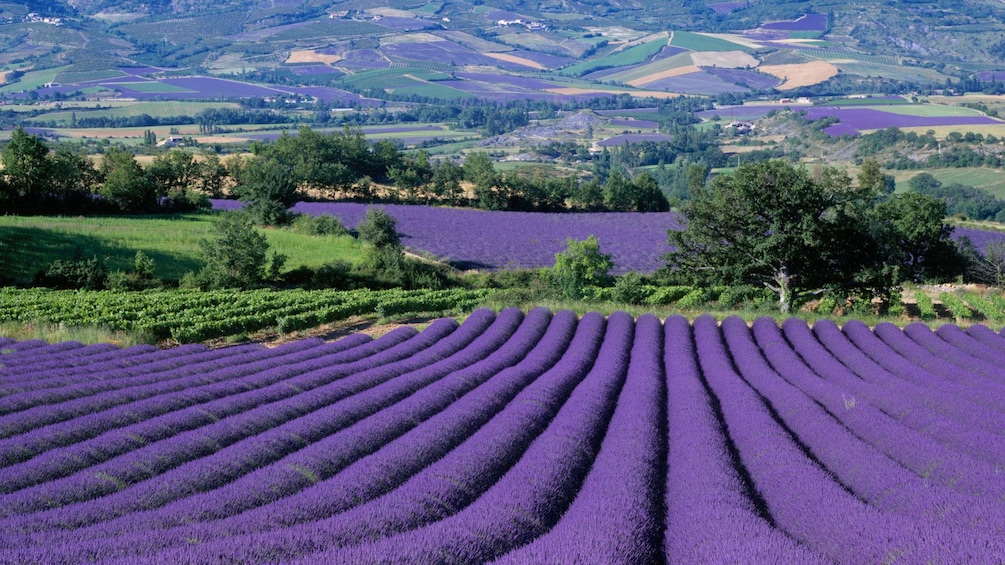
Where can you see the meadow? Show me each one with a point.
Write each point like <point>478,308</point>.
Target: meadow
<point>29,243</point>
<point>511,437</point>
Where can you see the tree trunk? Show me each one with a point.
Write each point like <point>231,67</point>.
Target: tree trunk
<point>783,280</point>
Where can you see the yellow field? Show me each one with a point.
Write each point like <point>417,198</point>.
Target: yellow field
<point>311,56</point>
<point>664,74</point>
<point>514,59</point>
<point>801,74</point>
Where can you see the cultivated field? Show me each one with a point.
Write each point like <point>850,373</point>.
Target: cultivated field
<point>514,437</point>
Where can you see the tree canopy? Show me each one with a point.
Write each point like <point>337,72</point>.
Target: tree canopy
<point>776,224</point>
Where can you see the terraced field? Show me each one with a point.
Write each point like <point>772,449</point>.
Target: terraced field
<point>512,438</point>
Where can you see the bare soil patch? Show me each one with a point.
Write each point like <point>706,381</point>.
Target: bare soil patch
<point>801,74</point>
<point>311,56</point>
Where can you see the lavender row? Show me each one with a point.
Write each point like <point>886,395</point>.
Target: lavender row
<point>156,458</point>
<point>970,393</point>
<point>160,417</point>
<point>213,380</point>
<point>37,408</point>
<point>925,412</point>
<point>80,357</point>
<point>531,496</point>
<point>395,436</point>
<point>802,497</point>
<point>965,341</point>
<point>617,515</point>
<point>714,515</point>
<point>29,377</point>
<point>453,481</point>
<point>150,374</point>
<point>887,464</point>
<point>956,368</point>
<point>923,336</point>
<point>238,459</point>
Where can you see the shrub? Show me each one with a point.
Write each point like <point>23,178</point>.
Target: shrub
<point>926,307</point>
<point>323,225</point>
<point>629,289</point>
<point>582,264</point>
<point>235,255</point>
<point>88,274</point>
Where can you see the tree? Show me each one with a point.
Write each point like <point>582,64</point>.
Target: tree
<point>915,238</point>
<point>582,264</point>
<point>27,170</point>
<point>126,185</point>
<point>269,186</point>
<point>379,229</point>
<point>770,223</point>
<point>235,254</point>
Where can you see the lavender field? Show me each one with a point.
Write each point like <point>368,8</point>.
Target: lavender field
<point>480,239</point>
<point>512,438</point>
<point>492,240</point>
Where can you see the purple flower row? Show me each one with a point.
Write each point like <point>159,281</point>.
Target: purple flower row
<point>408,436</point>
<point>616,516</point>
<point>532,438</point>
<point>154,459</point>
<point>164,416</point>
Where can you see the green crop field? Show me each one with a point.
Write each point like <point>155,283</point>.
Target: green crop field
<point>869,102</point>
<point>991,180</point>
<point>699,42</point>
<point>929,110</point>
<point>642,71</point>
<point>631,56</point>
<point>33,79</point>
<point>29,243</point>
<point>158,109</point>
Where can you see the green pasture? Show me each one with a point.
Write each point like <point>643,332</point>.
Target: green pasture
<point>393,78</point>
<point>327,29</point>
<point>991,180</point>
<point>33,79</point>
<point>157,109</point>
<point>434,91</point>
<point>631,56</point>
<point>699,42</point>
<point>428,9</point>
<point>73,77</point>
<point>929,110</point>
<point>642,71</point>
<point>893,72</point>
<point>869,102</point>
<point>29,243</point>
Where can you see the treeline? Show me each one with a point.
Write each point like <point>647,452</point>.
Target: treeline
<point>960,199</point>
<point>343,165</point>
<point>309,165</point>
<point>37,180</point>
<point>956,150</point>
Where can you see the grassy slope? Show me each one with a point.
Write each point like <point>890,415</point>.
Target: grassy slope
<point>30,243</point>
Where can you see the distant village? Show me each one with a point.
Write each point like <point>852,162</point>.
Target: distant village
<point>32,18</point>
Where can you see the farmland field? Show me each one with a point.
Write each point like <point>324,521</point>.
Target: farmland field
<point>491,240</point>
<point>30,243</point>
<point>991,180</point>
<point>511,437</point>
